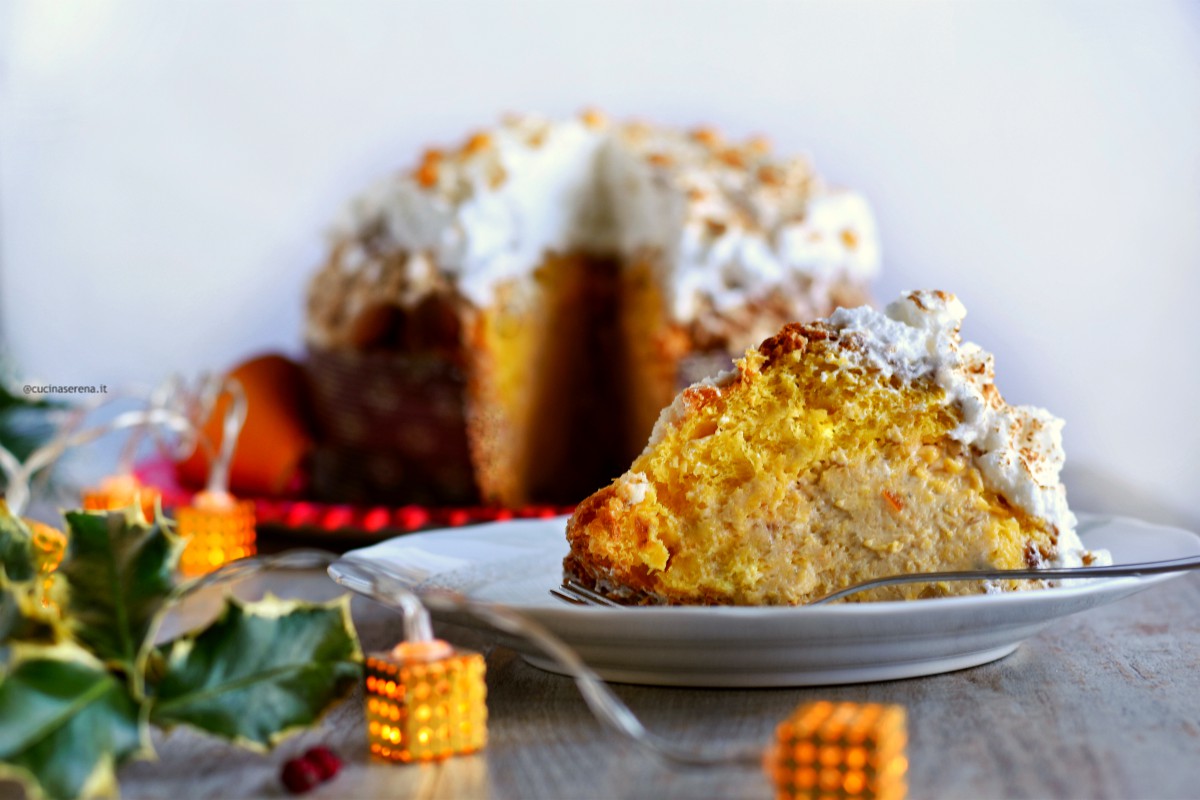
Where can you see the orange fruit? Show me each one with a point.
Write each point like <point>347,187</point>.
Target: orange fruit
<point>276,438</point>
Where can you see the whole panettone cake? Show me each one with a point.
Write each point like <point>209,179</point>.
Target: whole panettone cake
<point>505,321</point>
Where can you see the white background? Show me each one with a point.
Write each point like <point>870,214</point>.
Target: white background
<point>166,171</point>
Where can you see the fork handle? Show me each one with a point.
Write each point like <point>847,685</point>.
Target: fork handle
<point>1108,571</point>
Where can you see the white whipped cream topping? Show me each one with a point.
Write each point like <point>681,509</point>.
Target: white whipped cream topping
<point>486,216</point>
<point>1018,449</point>
<point>730,223</point>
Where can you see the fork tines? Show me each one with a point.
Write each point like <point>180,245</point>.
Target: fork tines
<point>580,595</point>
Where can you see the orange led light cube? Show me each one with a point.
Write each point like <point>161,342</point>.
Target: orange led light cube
<point>425,701</point>
<point>117,492</point>
<point>218,529</point>
<point>840,750</point>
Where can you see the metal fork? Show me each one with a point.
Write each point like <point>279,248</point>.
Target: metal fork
<point>577,594</point>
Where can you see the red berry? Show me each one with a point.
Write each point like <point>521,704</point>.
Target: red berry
<point>325,760</point>
<point>300,775</point>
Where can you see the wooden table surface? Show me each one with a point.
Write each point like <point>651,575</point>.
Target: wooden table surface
<point>1105,704</point>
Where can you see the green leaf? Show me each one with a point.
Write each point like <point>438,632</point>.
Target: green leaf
<point>260,670</point>
<point>10,400</point>
<point>65,723</point>
<point>16,546</point>
<point>25,423</point>
<point>119,571</point>
<point>24,617</point>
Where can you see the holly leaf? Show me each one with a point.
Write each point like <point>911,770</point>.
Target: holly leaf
<point>66,723</point>
<point>25,423</point>
<point>25,616</point>
<point>16,546</point>
<point>29,604</point>
<point>119,571</point>
<point>260,671</point>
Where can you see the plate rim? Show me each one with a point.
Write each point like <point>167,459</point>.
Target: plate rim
<point>1085,587</point>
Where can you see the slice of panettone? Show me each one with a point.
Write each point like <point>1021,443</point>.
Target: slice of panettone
<point>864,445</point>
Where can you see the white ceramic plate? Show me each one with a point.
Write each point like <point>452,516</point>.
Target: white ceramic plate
<point>516,563</point>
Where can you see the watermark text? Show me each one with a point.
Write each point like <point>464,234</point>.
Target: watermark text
<point>70,388</point>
